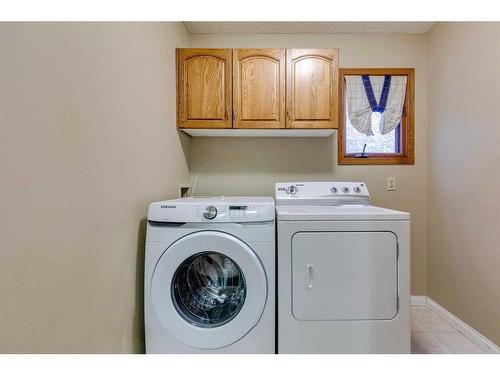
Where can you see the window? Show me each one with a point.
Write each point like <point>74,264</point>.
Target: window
<point>383,128</point>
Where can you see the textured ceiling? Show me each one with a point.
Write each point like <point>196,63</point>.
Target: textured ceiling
<point>307,27</point>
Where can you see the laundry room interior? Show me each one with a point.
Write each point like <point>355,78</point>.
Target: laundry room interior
<point>95,123</point>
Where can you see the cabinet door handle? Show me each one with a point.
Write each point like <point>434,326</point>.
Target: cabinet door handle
<point>235,114</point>
<point>228,113</point>
<point>289,115</point>
<point>310,272</point>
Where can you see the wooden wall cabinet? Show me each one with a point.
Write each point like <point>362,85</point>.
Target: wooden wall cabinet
<point>257,88</point>
<point>312,88</point>
<point>204,88</point>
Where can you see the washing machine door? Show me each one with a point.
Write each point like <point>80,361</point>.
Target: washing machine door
<point>209,289</point>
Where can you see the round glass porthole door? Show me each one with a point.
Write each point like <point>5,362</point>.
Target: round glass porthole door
<point>208,289</point>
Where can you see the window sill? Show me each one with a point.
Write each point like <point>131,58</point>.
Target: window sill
<point>377,160</point>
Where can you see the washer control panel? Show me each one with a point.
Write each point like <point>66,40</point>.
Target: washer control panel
<point>321,193</point>
<point>232,213</point>
<point>213,209</point>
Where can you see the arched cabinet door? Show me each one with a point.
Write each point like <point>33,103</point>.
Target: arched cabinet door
<point>204,88</point>
<point>312,88</point>
<point>259,88</point>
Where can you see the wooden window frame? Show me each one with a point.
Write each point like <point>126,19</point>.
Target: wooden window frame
<point>407,142</point>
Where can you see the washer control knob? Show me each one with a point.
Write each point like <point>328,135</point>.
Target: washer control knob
<point>333,189</point>
<point>345,189</point>
<point>210,213</point>
<point>357,189</point>
<point>292,189</point>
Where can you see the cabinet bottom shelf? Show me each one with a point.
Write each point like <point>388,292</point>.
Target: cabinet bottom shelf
<point>306,133</point>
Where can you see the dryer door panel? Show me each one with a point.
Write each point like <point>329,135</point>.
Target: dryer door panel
<point>344,275</point>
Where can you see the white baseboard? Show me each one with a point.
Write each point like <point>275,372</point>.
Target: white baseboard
<point>418,300</point>
<point>485,344</point>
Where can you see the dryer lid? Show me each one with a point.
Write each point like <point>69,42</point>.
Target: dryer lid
<point>338,213</point>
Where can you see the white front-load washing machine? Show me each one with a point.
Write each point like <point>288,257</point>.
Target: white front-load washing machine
<point>209,283</point>
<point>343,271</point>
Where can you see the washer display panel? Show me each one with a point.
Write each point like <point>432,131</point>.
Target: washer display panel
<point>209,289</point>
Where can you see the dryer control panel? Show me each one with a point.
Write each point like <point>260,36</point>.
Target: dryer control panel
<point>329,193</point>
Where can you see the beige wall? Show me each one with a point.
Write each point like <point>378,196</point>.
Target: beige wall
<point>251,166</point>
<point>464,173</point>
<point>87,140</point>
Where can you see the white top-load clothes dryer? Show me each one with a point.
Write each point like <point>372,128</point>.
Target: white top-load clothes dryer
<point>343,271</point>
<point>209,282</point>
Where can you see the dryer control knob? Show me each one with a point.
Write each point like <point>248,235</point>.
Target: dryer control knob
<point>292,189</point>
<point>210,213</point>
<point>345,189</point>
<point>333,189</point>
<point>357,189</point>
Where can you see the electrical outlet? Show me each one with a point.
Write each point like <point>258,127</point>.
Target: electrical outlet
<point>391,183</point>
<point>183,190</point>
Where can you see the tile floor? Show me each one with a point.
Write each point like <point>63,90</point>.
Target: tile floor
<point>430,334</point>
